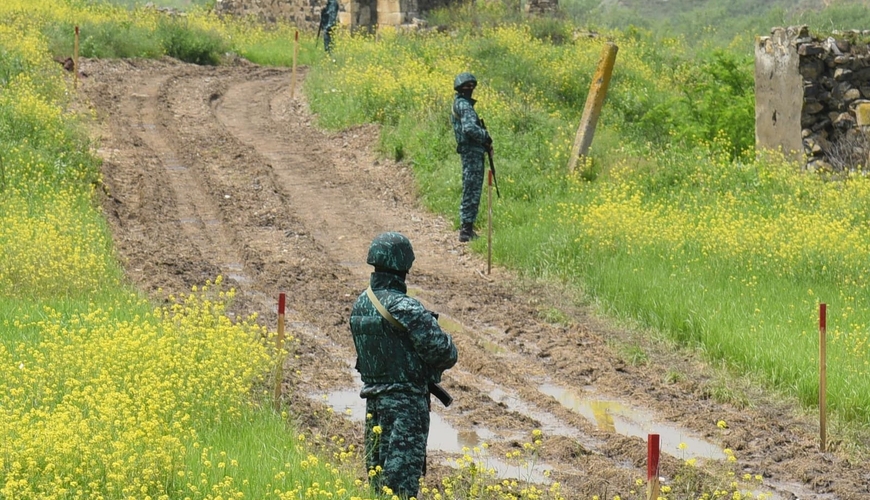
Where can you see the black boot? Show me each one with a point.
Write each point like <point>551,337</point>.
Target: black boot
<point>466,232</point>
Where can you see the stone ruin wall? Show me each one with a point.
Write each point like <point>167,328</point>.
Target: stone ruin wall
<point>355,13</point>
<point>813,97</point>
<point>302,13</point>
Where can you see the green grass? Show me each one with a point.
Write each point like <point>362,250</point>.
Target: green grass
<point>640,230</point>
<point>682,231</point>
<point>175,4</point>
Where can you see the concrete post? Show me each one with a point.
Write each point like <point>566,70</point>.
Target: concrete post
<point>594,102</point>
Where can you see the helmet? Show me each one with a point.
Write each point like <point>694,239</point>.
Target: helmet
<point>391,251</point>
<point>462,79</point>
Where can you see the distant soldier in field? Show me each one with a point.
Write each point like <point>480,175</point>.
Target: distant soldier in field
<point>328,18</point>
<point>401,354</point>
<point>472,141</point>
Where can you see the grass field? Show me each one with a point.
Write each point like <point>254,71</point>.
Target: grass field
<point>672,223</point>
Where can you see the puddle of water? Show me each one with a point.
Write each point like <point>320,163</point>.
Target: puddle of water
<point>442,435</point>
<point>239,278</point>
<point>796,490</point>
<point>492,347</point>
<point>449,324</point>
<point>550,424</point>
<point>234,271</point>
<point>613,416</point>
<point>534,473</point>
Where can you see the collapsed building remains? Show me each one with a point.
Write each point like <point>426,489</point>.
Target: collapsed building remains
<point>812,97</point>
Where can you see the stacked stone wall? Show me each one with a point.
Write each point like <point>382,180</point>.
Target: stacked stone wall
<point>354,13</point>
<point>813,97</point>
<point>302,13</point>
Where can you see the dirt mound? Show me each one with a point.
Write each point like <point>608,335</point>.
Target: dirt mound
<point>220,171</point>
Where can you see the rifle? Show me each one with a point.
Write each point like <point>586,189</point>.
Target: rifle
<point>434,389</point>
<point>322,22</point>
<point>491,166</point>
<point>442,395</point>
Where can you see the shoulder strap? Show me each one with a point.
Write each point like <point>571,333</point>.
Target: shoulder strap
<point>383,310</point>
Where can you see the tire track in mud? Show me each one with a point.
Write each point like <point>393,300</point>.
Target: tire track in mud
<point>234,178</point>
<point>198,215</point>
<point>343,221</point>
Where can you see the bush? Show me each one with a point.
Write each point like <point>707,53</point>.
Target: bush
<point>190,44</point>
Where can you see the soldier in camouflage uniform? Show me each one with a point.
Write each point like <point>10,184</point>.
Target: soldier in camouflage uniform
<point>328,19</point>
<point>472,141</point>
<point>399,353</point>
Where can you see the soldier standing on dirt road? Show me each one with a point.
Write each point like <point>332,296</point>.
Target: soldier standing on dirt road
<point>328,18</point>
<point>472,141</point>
<point>401,350</point>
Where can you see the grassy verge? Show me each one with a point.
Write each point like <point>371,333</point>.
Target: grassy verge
<point>671,223</point>
<point>105,395</point>
<point>102,394</point>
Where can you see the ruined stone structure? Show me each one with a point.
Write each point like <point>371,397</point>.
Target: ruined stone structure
<point>302,13</point>
<point>353,13</point>
<point>542,6</point>
<point>812,97</point>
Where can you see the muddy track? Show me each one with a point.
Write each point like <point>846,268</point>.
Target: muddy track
<point>221,171</point>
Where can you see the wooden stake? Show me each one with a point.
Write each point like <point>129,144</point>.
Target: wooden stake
<point>823,369</point>
<point>594,102</point>
<point>295,55</point>
<point>653,449</point>
<point>489,226</point>
<point>76,59</point>
<point>279,370</point>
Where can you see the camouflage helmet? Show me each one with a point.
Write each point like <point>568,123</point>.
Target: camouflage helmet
<point>391,251</point>
<point>462,79</point>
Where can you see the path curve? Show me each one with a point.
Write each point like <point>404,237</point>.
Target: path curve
<point>221,171</point>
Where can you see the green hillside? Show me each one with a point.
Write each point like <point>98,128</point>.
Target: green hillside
<point>721,20</point>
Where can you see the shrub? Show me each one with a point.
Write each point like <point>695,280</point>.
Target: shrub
<point>190,44</point>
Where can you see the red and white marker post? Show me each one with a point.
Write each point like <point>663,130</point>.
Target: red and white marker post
<point>653,449</point>
<point>295,55</point>
<point>76,58</point>
<point>823,376</point>
<point>279,341</point>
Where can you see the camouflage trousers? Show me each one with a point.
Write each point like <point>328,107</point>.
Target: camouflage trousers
<point>472,186</point>
<point>400,447</point>
<point>327,39</point>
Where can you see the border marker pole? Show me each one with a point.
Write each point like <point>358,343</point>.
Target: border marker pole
<point>279,340</point>
<point>594,102</point>
<point>653,449</point>
<point>823,369</point>
<point>295,55</point>
<point>76,58</point>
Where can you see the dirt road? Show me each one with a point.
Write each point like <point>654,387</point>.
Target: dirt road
<point>221,171</point>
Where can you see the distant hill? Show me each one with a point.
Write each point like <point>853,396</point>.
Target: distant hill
<point>722,20</point>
